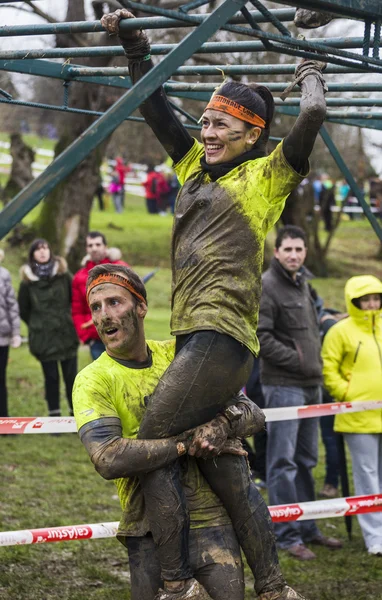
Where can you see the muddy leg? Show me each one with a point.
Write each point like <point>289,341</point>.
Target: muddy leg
<point>229,478</point>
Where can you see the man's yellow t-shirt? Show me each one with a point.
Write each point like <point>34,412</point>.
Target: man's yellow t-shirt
<point>107,388</point>
<point>218,243</point>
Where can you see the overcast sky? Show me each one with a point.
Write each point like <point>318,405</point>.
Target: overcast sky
<point>9,15</point>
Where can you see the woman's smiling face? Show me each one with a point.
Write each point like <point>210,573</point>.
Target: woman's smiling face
<point>225,137</point>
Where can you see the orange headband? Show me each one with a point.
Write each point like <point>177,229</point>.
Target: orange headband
<point>236,110</point>
<point>115,279</point>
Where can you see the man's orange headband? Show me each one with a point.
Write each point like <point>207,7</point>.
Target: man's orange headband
<point>115,279</point>
<point>236,110</point>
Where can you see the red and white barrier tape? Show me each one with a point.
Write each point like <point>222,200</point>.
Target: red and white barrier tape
<point>14,425</point>
<point>319,410</point>
<point>322,509</point>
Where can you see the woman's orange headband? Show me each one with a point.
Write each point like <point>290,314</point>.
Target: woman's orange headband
<point>115,279</point>
<point>236,110</point>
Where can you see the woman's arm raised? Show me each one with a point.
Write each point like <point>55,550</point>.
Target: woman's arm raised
<point>156,110</point>
<point>298,144</point>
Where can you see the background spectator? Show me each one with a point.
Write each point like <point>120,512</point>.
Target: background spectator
<point>122,171</point>
<point>174,186</point>
<point>115,190</point>
<point>151,190</point>
<point>352,354</point>
<point>9,330</point>
<point>97,253</point>
<point>257,458</point>
<point>291,376</point>
<point>45,301</point>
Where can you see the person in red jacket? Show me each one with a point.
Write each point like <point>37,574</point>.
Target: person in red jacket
<point>151,190</point>
<point>97,253</point>
<point>122,170</point>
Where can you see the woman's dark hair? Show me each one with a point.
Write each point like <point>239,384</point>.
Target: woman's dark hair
<point>256,98</point>
<point>130,275</point>
<point>35,245</point>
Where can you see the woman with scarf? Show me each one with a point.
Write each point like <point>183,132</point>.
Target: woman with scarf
<point>45,306</point>
<point>232,195</point>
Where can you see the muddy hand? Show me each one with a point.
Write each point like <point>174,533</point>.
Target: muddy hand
<point>234,446</point>
<point>209,439</point>
<point>111,23</point>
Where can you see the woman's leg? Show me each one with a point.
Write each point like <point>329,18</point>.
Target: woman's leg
<point>366,458</point>
<point>229,478</point>
<point>69,372</point>
<point>208,370</point>
<point>52,386</point>
<point>3,382</point>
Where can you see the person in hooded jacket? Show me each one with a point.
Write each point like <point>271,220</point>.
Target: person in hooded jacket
<point>352,356</point>
<point>9,330</point>
<point>45,306</point>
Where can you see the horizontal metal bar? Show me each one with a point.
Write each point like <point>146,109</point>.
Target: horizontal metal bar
<point>185,20</point>
<point>362,118</point>
<point>81,111</point>
<point>360,9</point>
<point>75,72</point>
<point>56,70</point>
<point>159,49</point>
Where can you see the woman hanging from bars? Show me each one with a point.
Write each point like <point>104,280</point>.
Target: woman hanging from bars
<point>232,195</point>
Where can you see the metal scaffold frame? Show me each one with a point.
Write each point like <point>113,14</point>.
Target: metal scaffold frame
<point>230,15</point>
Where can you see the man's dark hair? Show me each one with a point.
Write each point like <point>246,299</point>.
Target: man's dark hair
<point>95,234</point>
<point>290,231</point>
<point>134,279</point>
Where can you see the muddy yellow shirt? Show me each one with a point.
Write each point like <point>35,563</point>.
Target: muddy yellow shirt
<point>106,388</point>
<point>218,243</point>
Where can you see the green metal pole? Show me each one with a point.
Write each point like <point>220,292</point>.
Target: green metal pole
<point>66,162</point>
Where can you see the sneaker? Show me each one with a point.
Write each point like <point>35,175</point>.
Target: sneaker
<point>328,491</point>
<point>328,542</point>
<point>301,552</point>
<point>286,593</point>
<point>191,591</point>
<point>311,19</point>
<point>375,550</point>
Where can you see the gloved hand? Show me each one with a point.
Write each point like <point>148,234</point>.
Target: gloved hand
<point>209,439</point>
<point>16,341</point>
<point>111,23</point>
<point>303,69</point>
<point>311,19</point>
<point>134,41</point>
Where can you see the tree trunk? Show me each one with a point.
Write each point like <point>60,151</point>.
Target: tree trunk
<point>64,217</point>
<point>300,210</point>
<point>21,172</point>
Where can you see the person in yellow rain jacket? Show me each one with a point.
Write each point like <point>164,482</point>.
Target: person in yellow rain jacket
<point>352,356</point>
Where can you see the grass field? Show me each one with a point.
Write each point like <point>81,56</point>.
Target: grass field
<point>49,481</point>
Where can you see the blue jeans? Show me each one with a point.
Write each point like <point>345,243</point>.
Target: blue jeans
<point>292,452</point>
<point>96,348</point>
<point>330,440</point>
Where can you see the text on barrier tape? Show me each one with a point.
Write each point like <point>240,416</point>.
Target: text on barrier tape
<point>338,507</point>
